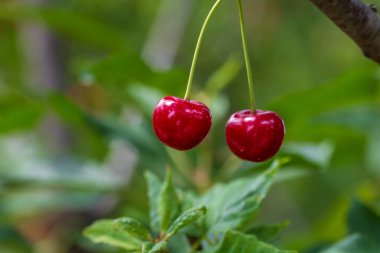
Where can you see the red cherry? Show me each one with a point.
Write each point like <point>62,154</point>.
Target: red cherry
<point>255,136</point>
<point>181,124</point>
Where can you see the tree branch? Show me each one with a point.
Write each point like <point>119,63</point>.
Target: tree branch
<point>358,20</point>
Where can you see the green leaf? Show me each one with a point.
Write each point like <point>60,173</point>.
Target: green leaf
<point>132,227</point>
<point>364,220</point>
<point>187,218</point>
<point>355,243</point>
<point>159,247</point>
<point>233,205</point>
<point>236,242</point>
<point>105,231</point>
<point>167,202</point>
<point>268,232</point>
<point>154,188</point>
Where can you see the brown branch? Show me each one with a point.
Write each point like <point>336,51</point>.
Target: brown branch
<point>358,20</point>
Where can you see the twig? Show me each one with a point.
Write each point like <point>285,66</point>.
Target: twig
<point>358,20</point>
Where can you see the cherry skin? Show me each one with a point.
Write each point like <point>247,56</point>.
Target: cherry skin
<point>181,124</point>
<point>255,136</point>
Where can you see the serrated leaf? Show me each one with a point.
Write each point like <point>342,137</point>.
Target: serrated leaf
<point>154,188</point>
<point>356,243</point>
<point>159,247</point>
<point>268,232</point>
<point>233,205</point>
<point>236,242</point>
<point>362,219</point>
<point>105,231</point>
<point>167,202</point>
<point>189,217</point>
<point>132,227</point>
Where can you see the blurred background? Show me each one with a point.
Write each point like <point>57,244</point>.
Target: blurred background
<point>79,80</point>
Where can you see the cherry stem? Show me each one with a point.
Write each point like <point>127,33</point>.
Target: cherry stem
<point>197,48</point>
<point>246,57</point>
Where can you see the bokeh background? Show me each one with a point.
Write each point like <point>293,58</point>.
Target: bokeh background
<point>79,80</point>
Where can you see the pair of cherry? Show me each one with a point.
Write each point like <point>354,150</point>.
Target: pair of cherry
<point>251,135</point>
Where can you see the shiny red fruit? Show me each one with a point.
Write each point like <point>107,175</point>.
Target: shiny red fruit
<point>255,136</point>
<point>181,124</point>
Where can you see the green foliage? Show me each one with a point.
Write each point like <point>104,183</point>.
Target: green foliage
<point>224,216</point>
<point>55,179</point>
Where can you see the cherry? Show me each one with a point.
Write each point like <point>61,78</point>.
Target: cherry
<point>181,124</point>
<point>255,136</point>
